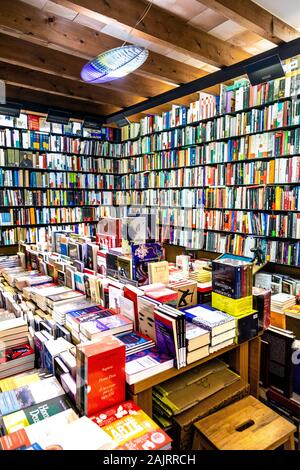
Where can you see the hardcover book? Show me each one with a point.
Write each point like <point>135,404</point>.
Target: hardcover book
<point>100,377</point>
<point>210,319</point>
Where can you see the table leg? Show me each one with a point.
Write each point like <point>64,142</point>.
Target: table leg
<point>144,401</point>
<point>254,365</point>
<point>290,443</point>
<point>244,361</point>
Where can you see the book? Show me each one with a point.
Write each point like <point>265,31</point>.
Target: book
<point>158,272</point>
<point>196,337</point>
<point>28,395</point>
<point>146,363</point>
<point>170,333</point>
<point>126,424</point>
<point>214,321</point>
<point>110,325</point>
<point>232,277</point>
<point>100,375</point>
<point>135,342</point>
<point>35,413</point>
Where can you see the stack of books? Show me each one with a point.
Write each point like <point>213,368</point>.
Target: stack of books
<point>131,429</point>
<point>108,325</point>
<point>146,363</point>
<point>220,325</point>
<point>197,342</point>
<point>279,304</point>
<point>31,403</point>
<point>16,352</point>
<point>135,342</point>
<point>200,275</point>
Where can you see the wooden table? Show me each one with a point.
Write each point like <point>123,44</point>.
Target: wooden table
<point>244,359</point>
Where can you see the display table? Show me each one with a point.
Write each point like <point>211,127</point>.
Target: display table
<point>244,359</point>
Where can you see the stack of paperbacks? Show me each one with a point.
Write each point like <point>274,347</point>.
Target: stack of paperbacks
<point>16,353</point>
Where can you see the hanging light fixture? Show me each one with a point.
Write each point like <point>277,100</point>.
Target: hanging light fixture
<point>118,62</point>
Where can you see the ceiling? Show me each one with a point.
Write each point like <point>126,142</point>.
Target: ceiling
<point>44,44</point>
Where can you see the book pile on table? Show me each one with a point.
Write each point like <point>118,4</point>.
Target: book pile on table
<point>16,352</point>
<point>220,325</point>
<point>201,275</point>
<point>280,303</point>
<point>135,342</point>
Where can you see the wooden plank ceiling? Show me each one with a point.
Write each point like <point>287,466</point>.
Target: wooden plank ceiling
<point>44,44</point>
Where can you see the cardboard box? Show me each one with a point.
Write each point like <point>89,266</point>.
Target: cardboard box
<point>235,307</point>
<point>183,429</point>
<point>186,397</point>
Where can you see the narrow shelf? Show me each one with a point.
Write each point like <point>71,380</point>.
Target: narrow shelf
<point>246,160</point>
<point>252,185</point>
<point>50,133</point>
<point>41,188</point>
<point>53,206</point>
<point>4,227</point>
<point>268,237</point>
<point>61,152</point>
<point>51,170</point>
<point>189,208</point>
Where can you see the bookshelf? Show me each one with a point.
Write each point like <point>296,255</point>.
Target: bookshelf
<point>53,177</point>
<point>233,161</point>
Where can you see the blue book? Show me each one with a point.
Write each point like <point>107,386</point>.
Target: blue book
<point>209,319</point>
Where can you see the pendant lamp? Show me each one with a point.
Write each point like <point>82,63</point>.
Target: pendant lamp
<point>113,64</point>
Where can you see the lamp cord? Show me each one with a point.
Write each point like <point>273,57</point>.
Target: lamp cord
<point>139,21</point>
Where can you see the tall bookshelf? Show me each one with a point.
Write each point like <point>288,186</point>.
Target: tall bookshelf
<point>53,176</point>
<point>224,174</point>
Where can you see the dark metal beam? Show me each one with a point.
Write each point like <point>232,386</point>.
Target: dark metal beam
<point>285,51</point>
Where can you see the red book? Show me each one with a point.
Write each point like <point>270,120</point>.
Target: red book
<point>14,440</point>
<point>100,379</point>
<point>131,429</point>
<point>132,293</point>
<point>33,122</point>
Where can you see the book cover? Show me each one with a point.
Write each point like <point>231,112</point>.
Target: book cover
<point>100,378</point>
<point>135,341</point>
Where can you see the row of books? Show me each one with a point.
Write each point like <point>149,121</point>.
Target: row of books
<point>260,198</point>
<point>241,95</point>
<point>39,123</point>
<point>161,197</point>
<point>282,252</point>
<point>56,180</point>
<point>56,161</point>
<point>41,234</point>
<point>255,223</point>
<point>19,197</point>
<point>255,121</point>
<point>268,145</point>
<point>37,216</point>
<point>163,179</point>
<point>34,140</point>
<point>233,98</point>
<point>283,170</point>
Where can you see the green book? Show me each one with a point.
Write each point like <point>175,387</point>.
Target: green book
<point>35,413</point>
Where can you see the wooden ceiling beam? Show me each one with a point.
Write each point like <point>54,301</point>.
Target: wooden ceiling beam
<point>254,18</point>
<point>40,81</point>
<point>20,52</point>
<point>42,27</point>
<point>162,28</point>
<point>24,95</point>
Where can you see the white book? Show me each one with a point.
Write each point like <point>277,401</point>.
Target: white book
<point>81,434</point>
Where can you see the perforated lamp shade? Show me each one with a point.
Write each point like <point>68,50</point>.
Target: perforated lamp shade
<point>113,64</point>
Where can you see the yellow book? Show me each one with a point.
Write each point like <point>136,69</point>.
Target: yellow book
<point>18,381</point>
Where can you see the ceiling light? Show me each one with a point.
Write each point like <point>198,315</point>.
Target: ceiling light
<point>113,64</point>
